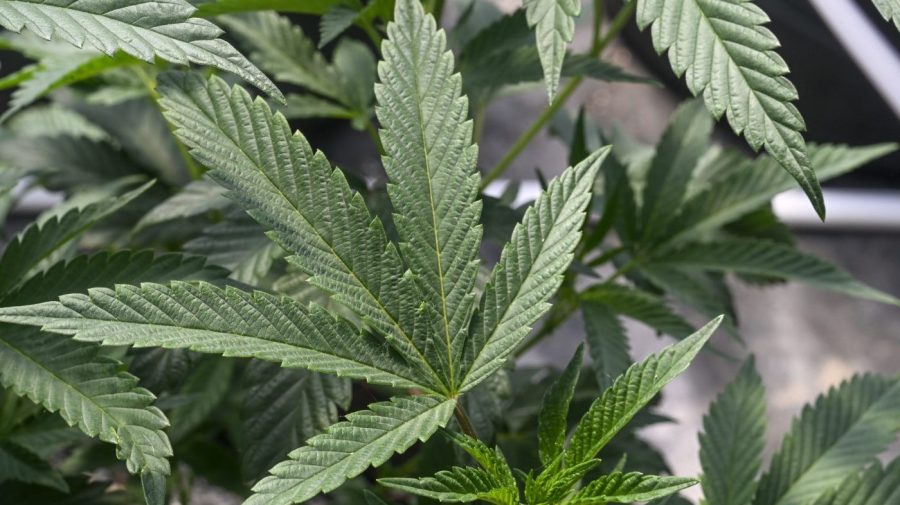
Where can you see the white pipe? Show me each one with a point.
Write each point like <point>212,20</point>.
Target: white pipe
<point>852,209</point>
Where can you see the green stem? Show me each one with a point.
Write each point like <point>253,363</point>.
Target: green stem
<point>376,138</point>
<point>463,421</point>
<point>522,142</point>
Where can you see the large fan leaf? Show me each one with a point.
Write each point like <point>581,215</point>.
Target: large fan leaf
<point>554,28</point>
<point>877,485</point>
<point>294,192</point>
<point>226,321</point>
<point>731,445</point>
<point>282,408</point>
<point>89,391</point>
<point>725,53</point>
<point>843,430</point>
<point>430,160</point>
<point>40,240</point>
<point>145,30</point>
<point>761,257</point>
<point>367,437</point>
<point>530,270</point>
<point>631,392</point>
<point>629,487</point>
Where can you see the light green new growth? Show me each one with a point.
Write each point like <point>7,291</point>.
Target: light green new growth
<point>728,56</point>
<point>890,9</point>
<point>554,27</point>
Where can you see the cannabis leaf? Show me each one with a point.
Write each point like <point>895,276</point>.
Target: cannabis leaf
<point>430,160</point>
<point>629,487</point>
<point>876,485</point>
<point>607,342</point>
<point>842,431</point>
<point>148,29</point>
<point>732,441</point>
<point>890,9</point>
<point>727,54</point>
<point>629,393</point>
<point>554,26</point>
<point>530,270</point>
<point>18,463</point>
<point>367,437</point>
<point>552,425</point>
<point>209,319</point>
<point>639,305</point>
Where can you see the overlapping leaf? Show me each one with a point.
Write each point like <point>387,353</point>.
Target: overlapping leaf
<point>728,56</point>
<point>876,485</point>
<point>732,441</point>
<point>629,487</point>
<point>843,430</point>
<point>146,29</point>
<point>607,342</point>
<point>529,271</point>
<point>554,28</point>
<point>430,160</point>
<point>367,437</point>
<point>640,306</point>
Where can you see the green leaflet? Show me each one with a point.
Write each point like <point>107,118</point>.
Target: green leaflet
<point>552,425</point>
<point>281,408</point>
<point>732,441</point>
<point>89,391</point>
<point>640,306</point>
<point>346,449</point>
<point>631,392</point>
<point>144,30</point>
<point>876,485</point>
<point>728,56</point>
<point>890,9</point>
<point>210,8</point>
<point>430,160</point>
<point>17,463</point>
<point>529,271</point>
<point>196,198</point>
<point>607,342</point>
<point>208,319</point>
<point>839,433</point>
<point>629,487</point>
<point>762,257</point>
<point>554,26</point>
<point>40,240</point>
<point>308,207</point>
<point>54,121</point>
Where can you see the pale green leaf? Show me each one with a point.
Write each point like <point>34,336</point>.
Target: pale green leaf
<point>890,9</point>
<point>281,408</point>
<point>194,199</point>
<point>732,441</point>
<point>762,257</point>
<point>839,433</point>
<point>367,438</point>
<point>629,487</point>
<point>607,342</point>
<point>530,270</point>
<point>145,30</point>
<point>552,421</point>
<point>54,121</point>
<point>728,56</point>
<point>554,27</point>
<point>204,318</point>
<point>307,205</point>
<point>631,392</point>
<point>430,160</point>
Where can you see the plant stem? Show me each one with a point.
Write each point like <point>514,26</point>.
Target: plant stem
<point>522,142</point>
<point>464,422</point>
<point>376,138</point>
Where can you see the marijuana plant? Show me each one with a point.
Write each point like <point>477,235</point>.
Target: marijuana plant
<point>214,298</point>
